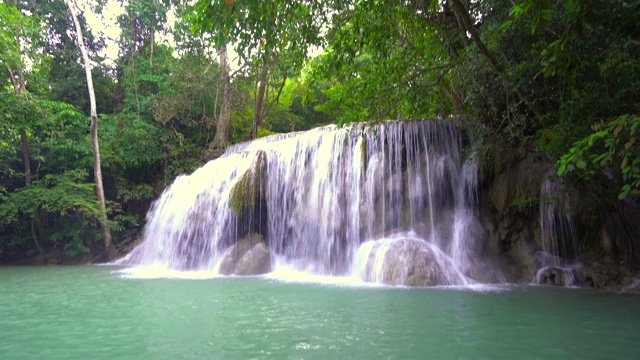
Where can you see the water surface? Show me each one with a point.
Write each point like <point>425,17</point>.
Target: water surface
<point>93,312</point>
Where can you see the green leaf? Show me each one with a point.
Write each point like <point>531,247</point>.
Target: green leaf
<point>618,129</point>
<point>600,157</point>
<point>625,192</point>
<point>562,169</point>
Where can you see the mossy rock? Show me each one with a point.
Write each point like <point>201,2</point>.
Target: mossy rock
<point>245,191</point>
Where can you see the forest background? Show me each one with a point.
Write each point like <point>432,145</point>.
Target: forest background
<point>561,78</point>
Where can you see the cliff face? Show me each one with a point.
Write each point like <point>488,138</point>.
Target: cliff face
<point>549,231</point>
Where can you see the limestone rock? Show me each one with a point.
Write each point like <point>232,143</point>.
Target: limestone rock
<point>407,262</point>
<point>557,276</point>
<point>595,275</point>
<point>250,256</point>
<point>524,251</point>
<point>520,183</point>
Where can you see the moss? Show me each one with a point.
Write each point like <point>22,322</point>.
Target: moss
<point>245,191</point>
<point>364,148</point>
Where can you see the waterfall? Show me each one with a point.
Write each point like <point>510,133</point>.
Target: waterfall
<point>330,201</point>
<point>558,234</point>
<point>556,224</point>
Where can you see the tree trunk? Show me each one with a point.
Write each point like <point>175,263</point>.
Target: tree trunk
<point>259,101</point>
<point>463,15</point>
<point>111,250</point>
<point>222,126</point>
<point>37,228</point>
<point>456,101</point>
<point>19,86</point>
<point>153,44</point>
<point>25,157</point>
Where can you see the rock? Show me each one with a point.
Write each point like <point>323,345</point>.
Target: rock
<point>524,251</point>
<point>408,262</point>
<point>557,276</point>
<point>519,184</point>
<point>588,276</point>
<point>633,287</point>
<point>246,190</point>
<point>250,256</point>
<point>489,222</point>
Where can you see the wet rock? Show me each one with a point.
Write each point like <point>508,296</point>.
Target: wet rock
<point>408,262</point>
<point>524,251</point>
<point>519,184</point>
<point>557,276</point>
<point>588,276</point>
<point>250,256</point>
<point>633,287</point>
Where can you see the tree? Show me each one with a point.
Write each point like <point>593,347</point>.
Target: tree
<point>61,195</point>
<point>111,250</point>
<point>259,29</point>
<point>272,37</point>
<point>18,29</point>
<point>270,78</point>
<point>222,125</point>
<point>61,52</point>
<point>139,23</point>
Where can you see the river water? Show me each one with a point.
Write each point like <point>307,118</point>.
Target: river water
<point>99,312</point>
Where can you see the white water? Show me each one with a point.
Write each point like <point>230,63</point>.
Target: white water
<point>558,232</point>
<point>324,199</point>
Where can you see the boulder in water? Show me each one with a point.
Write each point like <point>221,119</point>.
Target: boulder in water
<point>553,275</point>
<point>407,262</point>
<point>250,256</point>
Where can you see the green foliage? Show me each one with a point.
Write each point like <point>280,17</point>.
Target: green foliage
<point>613,148</point>
<point>281,119</point>
<point>61,76</point>
<point>258,29</point>
<point>161,112</point>
<point>20,36</point>
<point>68,197</point>
<point>139,23</point>
<point>528,71</point>
<point>61,194</point>
<point>187,96</point>
<point>389,59</point>
<point>130,142</point>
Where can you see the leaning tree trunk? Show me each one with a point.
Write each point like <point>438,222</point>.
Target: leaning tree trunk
<point>111,250</point>
<point>466,23</point>
<point>222,126</point>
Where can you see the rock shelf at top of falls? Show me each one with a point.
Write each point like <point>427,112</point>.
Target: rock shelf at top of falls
<point>323,197</point>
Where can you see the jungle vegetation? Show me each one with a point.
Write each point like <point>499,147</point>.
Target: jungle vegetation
<point>561,77</point>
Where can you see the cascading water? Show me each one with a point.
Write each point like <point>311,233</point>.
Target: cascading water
<point>365,200</point>
<point>558,234</point>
